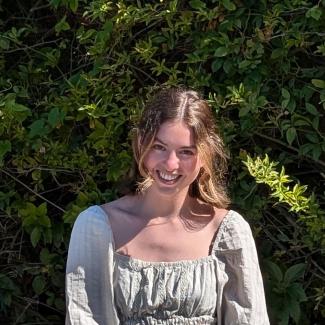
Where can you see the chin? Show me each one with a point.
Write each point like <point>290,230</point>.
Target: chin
<point>168,190</point>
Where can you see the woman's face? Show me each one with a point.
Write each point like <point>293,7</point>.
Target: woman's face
<point>173,161</point>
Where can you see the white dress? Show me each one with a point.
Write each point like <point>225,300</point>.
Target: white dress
<point>107,288</point>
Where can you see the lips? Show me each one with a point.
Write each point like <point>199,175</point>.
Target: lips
<point>167,178</point>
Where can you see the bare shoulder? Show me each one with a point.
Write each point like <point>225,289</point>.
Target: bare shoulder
<point>121,214</point>
<point>219,215</point>
<point>123,205</point>
<point>211,215</point>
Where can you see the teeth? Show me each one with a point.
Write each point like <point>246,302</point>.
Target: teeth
<point>167,177</point>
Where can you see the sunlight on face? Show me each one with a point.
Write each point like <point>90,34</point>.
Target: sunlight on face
<point>173,160</point>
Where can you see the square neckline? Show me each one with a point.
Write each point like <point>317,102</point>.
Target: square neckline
<point>139,263</point>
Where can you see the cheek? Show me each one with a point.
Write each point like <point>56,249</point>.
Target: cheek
<point>193,165</point>
<point>151,159</point>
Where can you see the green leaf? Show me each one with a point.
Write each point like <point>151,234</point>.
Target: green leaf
<point>44,220</point>
<point>291,135</point>
<point>38,128</point>
<point>35,236</point>
<point>20,112</point>
<point>294,273</point>
<point>15,107</point>
<point>297,292</point>
<point>197,4</point>
<point>286,96</point>
<point>6,283</point>
<point>55,3</point>
<point>318,83</point>
<point>45,256</point>
<point>315,122</point>
<point>47,235</point>
<point>285,93</point>
<point>73,4</point>
<point>294,309</point>
<point>261,101</point>
<point>5,147</point>
<point>312,137</point>
<point>228,66</point>
<point>244,64</point>
<point>317,151</point>
<point>108,26</point>
<point>229,5</point>
<point>301,122</point>
<point>314,12</point>
<point>244,110</point>
<point>42,209</point>
<point>4,44</point>
<point>55,117</point>
<point>59,303</point>
<point>38,284</point>
<point>277,53</point>
<point>312,109</point>
<point>283,315</point>
<point>221,51</point>
<point>305,148</point>
<point>62,25</point>
<point>274,271</point>
<point>216,65</point>
<point>291,105</point>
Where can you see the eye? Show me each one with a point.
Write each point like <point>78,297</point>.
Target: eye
<point>187,152</point>
<point>157,146</point>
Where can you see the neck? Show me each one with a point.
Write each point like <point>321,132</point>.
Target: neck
<point>163,206</point>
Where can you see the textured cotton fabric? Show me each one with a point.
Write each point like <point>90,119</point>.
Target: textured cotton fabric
<point>106,288</point>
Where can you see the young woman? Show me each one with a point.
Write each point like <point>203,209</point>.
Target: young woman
<point>171,253</point>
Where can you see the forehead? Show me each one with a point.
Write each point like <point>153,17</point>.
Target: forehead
<point>176,133</point>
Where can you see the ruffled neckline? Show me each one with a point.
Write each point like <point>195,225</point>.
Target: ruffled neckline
<point>139,263</point>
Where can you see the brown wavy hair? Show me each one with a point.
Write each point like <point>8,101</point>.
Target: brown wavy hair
<point>179,104</point>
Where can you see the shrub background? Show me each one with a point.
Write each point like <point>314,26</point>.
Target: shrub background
<point>74,76</point>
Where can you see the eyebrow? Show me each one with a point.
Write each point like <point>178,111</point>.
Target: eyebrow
<point>183,147</point>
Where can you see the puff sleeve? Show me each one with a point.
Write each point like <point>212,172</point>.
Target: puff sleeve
<point>241,298</point>
<point>89,271</point>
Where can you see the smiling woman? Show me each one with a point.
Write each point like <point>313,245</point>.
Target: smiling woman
<point>188,108</point>
<point>171,253</point>
<point>172,161</point>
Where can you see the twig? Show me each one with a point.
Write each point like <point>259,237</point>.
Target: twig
<point>317,161</point>
<point>31,190</point>
<point>31,46</point>
<point>135,68</point>
<point>24,171</point>
<point>317,266</point>
<point>35,8</point>
<point>36,302</point>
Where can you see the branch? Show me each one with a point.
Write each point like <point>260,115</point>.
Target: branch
<point>31,190</point>
<point>317,161</point>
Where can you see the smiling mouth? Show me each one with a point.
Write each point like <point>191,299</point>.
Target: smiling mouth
<point>168,179</point>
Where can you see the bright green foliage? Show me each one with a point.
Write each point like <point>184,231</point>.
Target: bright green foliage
<point>263,170</point>
<point>287,294</point>
<point>74,76</point>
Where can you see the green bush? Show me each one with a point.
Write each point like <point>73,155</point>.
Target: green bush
<point>74,76</point>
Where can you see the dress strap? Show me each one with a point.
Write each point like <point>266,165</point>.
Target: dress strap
<point>218,233</point>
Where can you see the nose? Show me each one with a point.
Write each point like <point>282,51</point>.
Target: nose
<point>172,161</point>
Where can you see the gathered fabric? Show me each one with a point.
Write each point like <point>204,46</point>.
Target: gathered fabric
<point>107,288</point>
<point>173,292</point>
